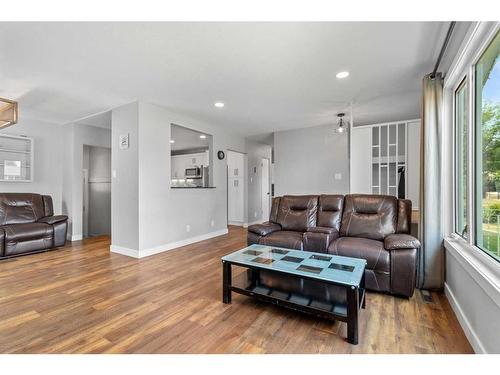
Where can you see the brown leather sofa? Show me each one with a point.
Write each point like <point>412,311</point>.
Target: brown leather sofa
<point>372,227</point>
<point>28,224</point>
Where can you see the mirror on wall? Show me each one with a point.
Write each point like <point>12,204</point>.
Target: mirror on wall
<point>190,158</point>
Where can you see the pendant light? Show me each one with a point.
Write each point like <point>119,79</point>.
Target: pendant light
<point>341,124</point>
<point>8,113</point>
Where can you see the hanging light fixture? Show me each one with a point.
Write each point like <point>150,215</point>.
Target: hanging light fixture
<point>8,113</point>
<point>341,124</point>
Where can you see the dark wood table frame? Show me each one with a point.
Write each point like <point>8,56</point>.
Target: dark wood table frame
<point>355,298</point>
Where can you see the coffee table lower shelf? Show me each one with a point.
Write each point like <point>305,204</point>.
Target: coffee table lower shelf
<point>346,312</point>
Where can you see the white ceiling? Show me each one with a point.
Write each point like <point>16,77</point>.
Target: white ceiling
<point>101,120</point>
<point>271,76</point>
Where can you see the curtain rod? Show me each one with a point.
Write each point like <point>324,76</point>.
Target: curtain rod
<point>443,48</point>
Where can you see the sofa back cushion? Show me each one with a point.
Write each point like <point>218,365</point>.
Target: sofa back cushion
<point>48,208</point>
<point>369,216</point>
<point>273,215</point>
<point>330,211</point>
<point>298,212</point>
<point>404,216</point>
<point>20,208</point>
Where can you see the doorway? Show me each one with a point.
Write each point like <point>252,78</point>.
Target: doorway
<point>235,188</point>
<point>96,191</point>
<point>265,189</point>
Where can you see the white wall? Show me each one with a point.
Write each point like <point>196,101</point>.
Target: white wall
<point>306,161</point>
<point>474,298</point>
<point>163,212</point>
<point>48,160</point>
<point>255,152</point>
<point>125,184</point>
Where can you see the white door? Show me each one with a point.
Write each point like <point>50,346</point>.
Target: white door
<point>235,187</point>
<point>266,194</point>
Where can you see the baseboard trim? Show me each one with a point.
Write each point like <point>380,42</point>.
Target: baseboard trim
<point>166,247</point>
<point>464,322</point>
<point>76,237</point>
<point>236,223</point>
<point>124,251</point>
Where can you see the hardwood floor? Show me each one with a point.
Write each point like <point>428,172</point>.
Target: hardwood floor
<point>84,299</point>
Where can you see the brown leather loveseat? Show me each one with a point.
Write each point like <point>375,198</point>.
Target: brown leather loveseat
<point>372,227</point>
<point>28,224</point>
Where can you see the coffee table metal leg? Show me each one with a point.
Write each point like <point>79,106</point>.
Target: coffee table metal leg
<point>226,282</point>
<point>352,315</point>
<point>362,291</point>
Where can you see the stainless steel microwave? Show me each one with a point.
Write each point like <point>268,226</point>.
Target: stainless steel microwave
<point>194,172</point>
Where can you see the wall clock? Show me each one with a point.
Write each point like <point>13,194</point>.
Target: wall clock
<point>220,155</point>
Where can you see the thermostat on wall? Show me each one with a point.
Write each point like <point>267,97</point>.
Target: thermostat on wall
<point>124,141</point>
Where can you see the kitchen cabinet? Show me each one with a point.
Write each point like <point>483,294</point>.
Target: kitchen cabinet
<point>179,163</point>
<point>235,187</point>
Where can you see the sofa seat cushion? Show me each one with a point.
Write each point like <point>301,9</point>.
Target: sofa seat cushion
<point>378,259</point>
<point>283,238</point>
<point>27,232</point>
<point>264,229</point>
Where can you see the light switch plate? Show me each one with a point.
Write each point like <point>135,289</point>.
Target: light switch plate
<point>338,176</point>
<point>124,141</point>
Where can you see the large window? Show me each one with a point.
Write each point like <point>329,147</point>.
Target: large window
<point>487,156</point>
<point>461,158</point>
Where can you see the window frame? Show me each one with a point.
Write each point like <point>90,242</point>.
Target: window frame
<point>467,60</point>
<point>465,83</point>
<point>477,133</point>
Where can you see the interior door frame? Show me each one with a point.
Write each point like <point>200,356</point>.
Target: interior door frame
<point>265,216</point>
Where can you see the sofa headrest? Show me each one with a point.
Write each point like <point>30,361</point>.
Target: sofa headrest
<point>298,212</point>
<point>369,216</point>
<point>20,208</point>
<point>330,211</point>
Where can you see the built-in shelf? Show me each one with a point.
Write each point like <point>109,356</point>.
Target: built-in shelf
<point>14,151</point>
<point>388,155</point>
<point>16,158</point>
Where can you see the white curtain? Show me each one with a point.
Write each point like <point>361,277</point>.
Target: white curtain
<point>431,259</point>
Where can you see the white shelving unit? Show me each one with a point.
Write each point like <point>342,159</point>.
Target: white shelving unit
<point>389,144</point>
<point>16,158</point>
<point>379,150</point>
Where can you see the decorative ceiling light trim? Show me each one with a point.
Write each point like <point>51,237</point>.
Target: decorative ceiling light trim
<point>8,113</point>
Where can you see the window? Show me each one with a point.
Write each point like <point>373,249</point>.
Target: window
<point>461,158</point>
<point>487,150</point>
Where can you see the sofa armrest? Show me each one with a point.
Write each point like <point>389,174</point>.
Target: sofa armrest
<point>53,219</point>
<point>401,241</point>
<point>325,230</point>
<point>264,229</point>
<point>318,239</point>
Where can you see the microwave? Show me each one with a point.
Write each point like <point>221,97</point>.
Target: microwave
<point>194,172</point>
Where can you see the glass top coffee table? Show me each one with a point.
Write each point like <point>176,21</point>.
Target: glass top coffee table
<point>344,272</point>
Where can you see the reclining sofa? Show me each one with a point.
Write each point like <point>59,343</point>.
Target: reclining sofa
<point>28,224</point>
<point>372,227</point>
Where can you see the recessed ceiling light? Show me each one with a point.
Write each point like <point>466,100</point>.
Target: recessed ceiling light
<point>203,136</point>
<point>172,141</point>
<point>342,74</point>
<point>219,104</point>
